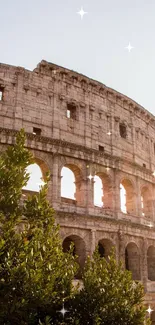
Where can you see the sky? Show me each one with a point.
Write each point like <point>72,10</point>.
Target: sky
<point>33,30</point>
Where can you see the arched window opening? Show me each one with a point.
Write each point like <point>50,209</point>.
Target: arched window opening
<point>132,260</point>
<point>98,192</point>
<point>127,197</point>
<point>36,178</point>
<point>146,202</point>
<point>68,188</point>
<point>151,263</point>
<point>101,250</point>
<point>123,130</point>
<point>67,245</point>
<point>142,206</point>
<point>123,199</point>
<point>78,250</point>
<point>105,248</point>
<point>103,193</point>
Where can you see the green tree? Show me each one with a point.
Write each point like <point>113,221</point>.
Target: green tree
<point>109,295</point>
<point>35,274</point>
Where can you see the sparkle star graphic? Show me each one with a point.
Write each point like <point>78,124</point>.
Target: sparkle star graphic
<point>63,311</point>
<point>149,310</point>
<point>82,12</point>
<point>153,173</point>
<point>129,47</point>
<point>90,177</point>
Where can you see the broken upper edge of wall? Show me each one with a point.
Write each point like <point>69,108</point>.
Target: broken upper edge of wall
<point>43,66</point>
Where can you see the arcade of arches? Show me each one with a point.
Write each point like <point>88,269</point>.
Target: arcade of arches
<point>73,186</point>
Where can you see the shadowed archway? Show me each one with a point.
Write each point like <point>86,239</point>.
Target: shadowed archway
<point>79,250</point>
<point>132,260</point>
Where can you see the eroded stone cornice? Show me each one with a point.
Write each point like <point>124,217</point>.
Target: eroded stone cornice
<point>91,155</point>
<point>94,219</point>
<point>96,87</point>
<point>56,72</point>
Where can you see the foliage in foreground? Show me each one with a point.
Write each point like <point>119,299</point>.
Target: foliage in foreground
<point>34,271</point>
<point>35,274</point>
<point>109,295</point>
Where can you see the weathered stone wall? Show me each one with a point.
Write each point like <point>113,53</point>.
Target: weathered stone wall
<point>92,141</point>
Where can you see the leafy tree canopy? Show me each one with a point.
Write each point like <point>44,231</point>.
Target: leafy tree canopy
<point>34,270</point>
<point>36,275</point>
<point>109,295</point>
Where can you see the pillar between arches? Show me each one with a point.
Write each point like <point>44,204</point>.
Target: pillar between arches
<point>90,193</point>
<point>121,244</point>
<point>144,271</point>
<point>56,186</point>
<point>93,241</point>
<point>138,198</point>
<point>81,192</point>
<point>116,191</point>
<point>153,203</point>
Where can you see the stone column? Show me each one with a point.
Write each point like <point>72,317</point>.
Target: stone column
<point>90,193</point>
<point>18,111</point>
<point>144,271</point>
<point>116,191</point>
<point>93,241</point>
<point>121,247</point>
<point>138,199</point>
<point>153,203</point>
<point>50,189</point>
<point>81,192</point>
<point>116,126</point>
<point>56,104</point>
<point>56,190</point>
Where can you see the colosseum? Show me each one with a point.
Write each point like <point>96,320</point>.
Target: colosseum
<point>106,141</point>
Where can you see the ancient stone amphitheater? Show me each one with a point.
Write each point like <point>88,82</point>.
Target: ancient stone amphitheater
<point>75,122</point>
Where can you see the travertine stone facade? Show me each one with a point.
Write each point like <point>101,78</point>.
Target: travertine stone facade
<point>73,121</point>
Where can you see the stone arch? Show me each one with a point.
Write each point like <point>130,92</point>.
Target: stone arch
<point>105,247</point>
<point>38,172</point>
<point>132,260</point>
<point>43,166</point>
<point>71,163</point>
<point>68,187</point>
<point>76,181</point>
<point>146,202</point>
<point>130,203</point>
<point>107,190</point>
<point>79,250</point>
<point>151,263</point>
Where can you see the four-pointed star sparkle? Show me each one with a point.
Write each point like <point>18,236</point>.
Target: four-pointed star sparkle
<point>63,311</point>
<point>90,177</point>
<point>82,12</point>
<point>129,47</point>
<point>149,310</point>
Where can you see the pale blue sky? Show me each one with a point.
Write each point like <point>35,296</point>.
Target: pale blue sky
<point>33,30</point>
